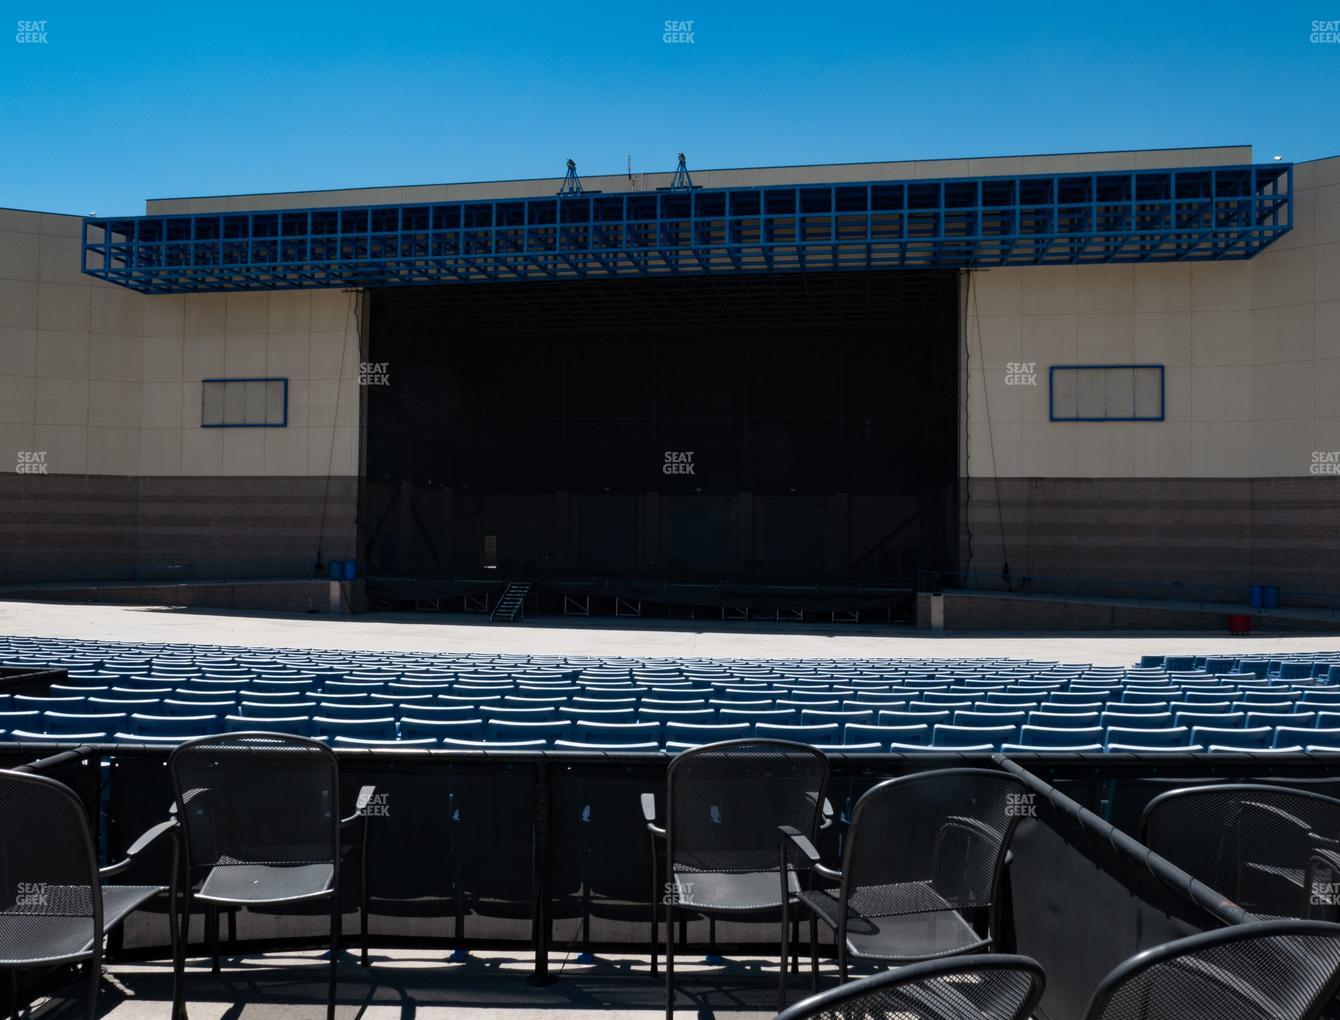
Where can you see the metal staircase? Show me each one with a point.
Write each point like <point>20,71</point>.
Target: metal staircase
<point>512,604</point>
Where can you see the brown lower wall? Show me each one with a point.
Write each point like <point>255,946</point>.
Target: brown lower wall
<point>105,527</point>
<point>1215,532</point>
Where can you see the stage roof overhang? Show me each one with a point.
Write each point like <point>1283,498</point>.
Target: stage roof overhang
<point>1201,214</point>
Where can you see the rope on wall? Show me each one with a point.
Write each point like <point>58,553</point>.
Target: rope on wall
<point>971,309</point>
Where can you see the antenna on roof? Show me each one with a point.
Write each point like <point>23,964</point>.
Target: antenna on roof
<point>681,181</point>
<point>572,184</point>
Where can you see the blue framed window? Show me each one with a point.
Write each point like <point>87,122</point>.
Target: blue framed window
<point>244,403</point>
<point>1106,392</point>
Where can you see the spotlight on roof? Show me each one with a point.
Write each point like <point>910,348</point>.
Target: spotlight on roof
<point>1277,158</point>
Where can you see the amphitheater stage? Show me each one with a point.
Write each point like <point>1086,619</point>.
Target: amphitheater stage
<point>613,637</point>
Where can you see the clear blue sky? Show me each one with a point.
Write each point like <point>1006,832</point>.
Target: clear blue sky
<point>126,101</point>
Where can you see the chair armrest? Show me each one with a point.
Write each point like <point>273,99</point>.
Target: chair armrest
<point>827,815</point>
<point>138,847</point>
<point>648,801</point>
<point>793,841</point>
<point>365,795</point>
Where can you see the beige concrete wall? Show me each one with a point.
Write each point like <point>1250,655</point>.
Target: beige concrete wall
<point>1251,349</point>
<point>1142,159</point>
<point>105,381</point>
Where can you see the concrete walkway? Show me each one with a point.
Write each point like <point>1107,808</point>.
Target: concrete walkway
<point>556,636</point>
<point>411,985</point>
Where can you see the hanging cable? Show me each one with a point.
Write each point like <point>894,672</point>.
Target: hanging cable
<point>353,318</point>
<point>990,432</point>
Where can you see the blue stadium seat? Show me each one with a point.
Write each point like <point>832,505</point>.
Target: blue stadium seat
<point>909,718</point>
<point>1161,737</point>
<point>298,725</point>
<point>820,733</point>
<point>1130,720</point>
<point>1287,735</point>
<point>1216,720</point>
<point>373,742</point>
<point>145,725</point>
<point>1258,737</point>
<point>456,744</point>
<point>863,733</point>
<point>1064,720</point>
<point>412,727</point>
<point>383,728</point>
<point>81,722</point>
<point>756,715</point>
<point>1021,748</point>
<point>970,737</point>
<point>968,717</point>
<point>578,745</point>
<point>683,735</point>
<point>1051,736</point>
<point>593,731</point>
<point>507,729</point>
<point>28,736</point>
<point>353,710</point>
<point>1295,719</point>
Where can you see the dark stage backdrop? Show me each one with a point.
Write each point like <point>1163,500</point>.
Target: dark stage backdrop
<point>789,427</point>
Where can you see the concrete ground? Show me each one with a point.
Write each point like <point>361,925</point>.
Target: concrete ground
<point>412,985</point>
<point>560,635</point>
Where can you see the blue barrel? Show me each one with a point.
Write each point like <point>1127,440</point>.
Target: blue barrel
<point>350,569</point>
<point>1257,596</point>
<point>1270,596</point>
<point>335,569</point>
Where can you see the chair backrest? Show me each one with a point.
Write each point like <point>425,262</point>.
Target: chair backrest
<point>949,828</point>
<point>1268,970</point>
<point>1239,838</point>
<point>48,867</point>
<point>257,798</point>
<point>997,987</point>
<point>724,803</point>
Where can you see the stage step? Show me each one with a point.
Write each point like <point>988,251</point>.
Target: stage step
<point>512,603</point>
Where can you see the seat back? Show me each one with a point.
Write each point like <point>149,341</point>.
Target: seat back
<point>257,798</point>
<point>947,830</point>
<point>724,803</point>
<point>997,987</point>
<point>1271,970</point>
<point>48,868</point>
<point>1251,842</point>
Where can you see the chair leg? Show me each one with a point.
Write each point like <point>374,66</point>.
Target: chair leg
<point>94,977</point>
<point>669,959</point>
<point>183,940</point>
<point>814,952</point>
<point>212,926</point>
<point>655,911</point>
<point>795,944</point>
<point>335,919</point>
<point>786,949</point>
<point>842,963</point>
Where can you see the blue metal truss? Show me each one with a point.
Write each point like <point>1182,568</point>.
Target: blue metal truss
<point>1200,214</point>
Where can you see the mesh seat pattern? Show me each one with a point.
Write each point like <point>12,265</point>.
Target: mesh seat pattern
<point>984,988</point>
<point>923,851</point>
<point>1261,846</point>
<point>252,802</point>
<point>726,802</point>
<point>1279,970</point>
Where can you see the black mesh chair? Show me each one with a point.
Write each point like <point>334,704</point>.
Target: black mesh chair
<point>1266,970</point>
<point>53,906</point>
<point>920,869</point>
<point>1273,850</point>
<point>261,814</point>
<point>971,988</point>
<point>724,803</point>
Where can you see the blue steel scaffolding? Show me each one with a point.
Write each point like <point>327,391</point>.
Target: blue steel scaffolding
<point>1227,212</point>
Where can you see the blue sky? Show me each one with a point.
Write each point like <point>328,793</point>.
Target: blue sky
<point>128,101</point>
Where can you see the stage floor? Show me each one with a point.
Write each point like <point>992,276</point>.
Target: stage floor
<point>613,637</point>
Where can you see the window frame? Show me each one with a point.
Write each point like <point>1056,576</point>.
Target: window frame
<point>283,423</point>
<point>1163,393</point>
